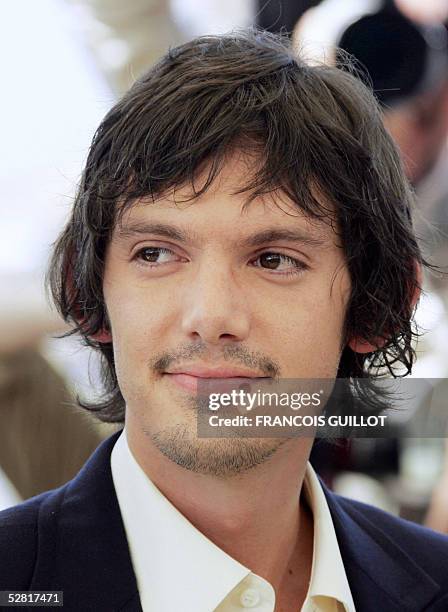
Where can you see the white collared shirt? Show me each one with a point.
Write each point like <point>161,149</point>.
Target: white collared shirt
<point>178,568</point>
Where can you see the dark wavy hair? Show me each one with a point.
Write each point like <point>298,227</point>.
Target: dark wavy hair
<point>319,134</point>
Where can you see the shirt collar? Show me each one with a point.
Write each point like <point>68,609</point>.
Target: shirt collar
<point>178,568</point>
<point>328,576</point>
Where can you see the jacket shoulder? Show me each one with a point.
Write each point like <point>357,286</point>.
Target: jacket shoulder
<point>426,547</point>
<point>19,542</point>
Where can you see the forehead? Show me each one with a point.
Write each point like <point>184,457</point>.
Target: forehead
<point>225,206</point>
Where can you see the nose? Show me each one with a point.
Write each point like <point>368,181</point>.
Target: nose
<point>216,309</point>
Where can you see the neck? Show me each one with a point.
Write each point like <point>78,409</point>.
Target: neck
<point>256,517</point>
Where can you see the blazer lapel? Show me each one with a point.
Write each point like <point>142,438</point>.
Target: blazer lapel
<point>381,575</point>
<point>83,549</point>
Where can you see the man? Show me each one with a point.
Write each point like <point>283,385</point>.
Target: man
<point>409,73</point>
<point>406,63</point>
<point>241,215</point>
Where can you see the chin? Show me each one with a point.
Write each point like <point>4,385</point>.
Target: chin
<point>219,457</point>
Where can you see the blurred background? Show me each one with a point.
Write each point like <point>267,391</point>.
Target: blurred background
<point>65,63</point>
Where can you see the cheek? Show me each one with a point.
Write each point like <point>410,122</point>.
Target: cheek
<point>139,322</point>
<point>135,312</point>
<point>306,331</point>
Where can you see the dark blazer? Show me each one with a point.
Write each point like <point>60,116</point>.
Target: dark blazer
<point>72,539</point>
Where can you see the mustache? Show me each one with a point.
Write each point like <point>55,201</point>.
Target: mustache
<point>235,354</point>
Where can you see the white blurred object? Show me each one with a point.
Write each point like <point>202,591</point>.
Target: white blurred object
<point>8,493</point>
<point>126,38</point>
<point>320,28</point>
<point>421,461</point>
<point>198,17</point>
<point>366,489</point>
<point>431,318</point>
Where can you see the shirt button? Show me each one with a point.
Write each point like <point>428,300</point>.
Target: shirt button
<point>249,598</point>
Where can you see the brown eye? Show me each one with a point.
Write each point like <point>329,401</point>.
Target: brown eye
<point>282,265</point>
<point>155,255</point>
<point>270,260</point>
<point>150,255</point>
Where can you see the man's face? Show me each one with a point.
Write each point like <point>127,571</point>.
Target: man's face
<point>211,288</point>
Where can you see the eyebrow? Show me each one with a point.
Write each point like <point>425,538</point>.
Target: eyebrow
<point>283,235</point>
<point>158,229</point>
<point>257,239</point>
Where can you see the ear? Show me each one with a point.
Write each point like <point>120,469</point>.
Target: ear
<point>102,336</point>
<point>359,345</point>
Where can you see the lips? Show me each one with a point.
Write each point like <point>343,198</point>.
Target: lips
<point>216,379</point>
<point>215,372</point>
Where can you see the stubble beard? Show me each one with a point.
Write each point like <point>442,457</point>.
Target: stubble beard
<point>219,457</point>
